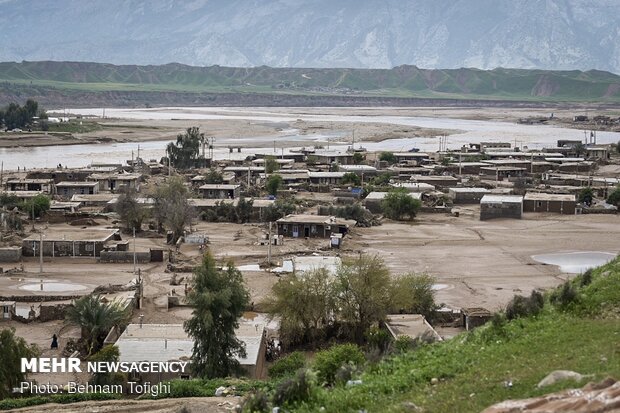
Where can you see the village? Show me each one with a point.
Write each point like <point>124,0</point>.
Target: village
<point>486,222</point>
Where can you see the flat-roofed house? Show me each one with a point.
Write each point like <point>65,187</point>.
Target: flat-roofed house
<point>113,181</point>
<point>67,189</point>
<point>70,242</point>
<point>325,178</point>
<point>373,200</point>
<point>501,206</point>
<point>170,343</point>
<point>220,191</point>
<point>41,185</point>
<point>312,226</point>
<point>543,202</point>
<point>467,195</point>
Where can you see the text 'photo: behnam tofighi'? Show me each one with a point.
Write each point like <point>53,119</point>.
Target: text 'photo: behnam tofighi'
<point>300,206</point>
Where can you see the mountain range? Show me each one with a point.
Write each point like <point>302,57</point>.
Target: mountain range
<point>485,34</point>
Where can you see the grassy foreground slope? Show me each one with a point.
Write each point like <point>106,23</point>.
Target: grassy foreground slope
<point>472,369</point>
<point>400,82</point>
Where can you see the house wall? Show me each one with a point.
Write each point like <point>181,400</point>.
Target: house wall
<point>312,230</point>
<point>10,254</point>
<point>69,191</point>
<point>501,210</point>
<point>124,256</point>
<point>560,207</point>
<point>467,197</point>
<point>63,248</point>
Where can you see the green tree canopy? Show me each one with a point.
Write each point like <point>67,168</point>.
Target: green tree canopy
<point>214,177</point>
<point>185,150</point>
<point>304,303</point>
<point>96,318</point>
<point>172,209</point>
<point>363,292</point>
<point>38,206</point>
<point>414,294</point>
<point>271,165</point>
<point>219,298</point>
<point>586,196</point>
<point>131,212</point>
<point>614,197</point>
<point>351,178</point>
<point>14,348</point>
<point>387,157</point>
<point>399,205</point>
<point>274,182</point>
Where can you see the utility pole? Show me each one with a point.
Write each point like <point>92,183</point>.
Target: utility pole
<point>41,251</point>
<point>460,164</point>
<point>134,250</point>
<point>269,246</point>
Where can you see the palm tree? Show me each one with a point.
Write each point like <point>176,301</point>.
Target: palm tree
<point>96,317</point>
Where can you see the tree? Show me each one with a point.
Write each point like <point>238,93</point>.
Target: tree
<point>363,293</point>
<point>579,148</point>
<point>172,209</point>
<point>214,177</point>
<point>614,197</point>
<point>38,206</point>
<point>13,350</point>
<point>219,298</point>
<point>184,152</point>
<point>414,294</point>
<point>273,184</point>
<point>358,158</point>
<point>586,196</point>
<point>15,116</point>
<point>399,205</point>
<point>271,165</point>
<point>109,353</point>
<point>131,212</point>
<point>96,318</point>
<point>277,210</point>
<point>351,178</point>
<point>305,304</point>
<point>243,211</point>
<point>387,157</point>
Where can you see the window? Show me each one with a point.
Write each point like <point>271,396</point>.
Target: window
<point>89,247</point>
<point>313,229</point>
<point>285,228</point>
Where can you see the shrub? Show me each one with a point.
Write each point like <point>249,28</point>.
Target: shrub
<point>328,362</point>
<point>378,339</point>
<point>294,390</point>
<point>400,205</point>
<point>564,296</point>
<point>403,344</point>
<point>287,365</point>
<point>521,306</point>
<point>256,402</point>
<point>387,157</point>
<point>614,197</point>
<point>586,278</point>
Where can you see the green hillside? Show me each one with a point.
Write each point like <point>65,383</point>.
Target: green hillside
<point>402,81</point>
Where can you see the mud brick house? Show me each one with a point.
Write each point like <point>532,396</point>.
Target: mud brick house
<point>69,242</point>
<point>220,191</point>
<point>312,226</point>
<point>543,202</point>
<point>501,206</point>
<point>68,189</point>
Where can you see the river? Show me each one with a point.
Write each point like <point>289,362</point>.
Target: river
<point>530,136</point>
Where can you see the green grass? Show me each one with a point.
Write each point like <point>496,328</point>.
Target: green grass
<point>403,82</point>
<point>74,127</point>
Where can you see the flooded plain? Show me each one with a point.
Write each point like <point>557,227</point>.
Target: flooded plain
<point>466,131</point>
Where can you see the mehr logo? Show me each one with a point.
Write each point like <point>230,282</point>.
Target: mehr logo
<point>51,365</point>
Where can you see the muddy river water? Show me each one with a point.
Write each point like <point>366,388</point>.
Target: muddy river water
<point>532,136</point>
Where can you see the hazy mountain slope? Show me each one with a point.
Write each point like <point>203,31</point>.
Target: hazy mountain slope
<point>402,81</point>
<point>550,34</point>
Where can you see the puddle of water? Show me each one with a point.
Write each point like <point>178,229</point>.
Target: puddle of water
<point>249,267</point>
<point>50,286</point>
<point>575,262</point>
<point>438,287</point>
